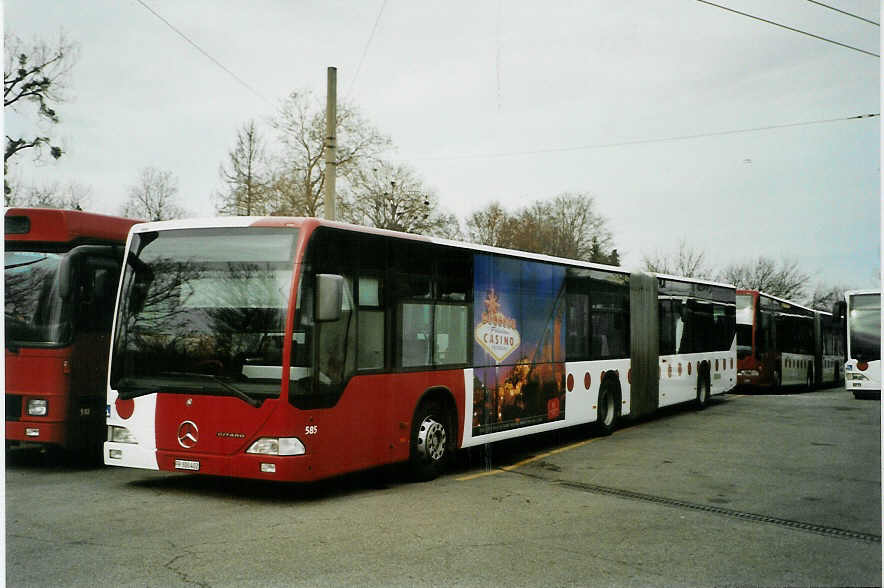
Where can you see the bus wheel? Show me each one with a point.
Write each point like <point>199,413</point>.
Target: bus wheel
<point>702,392</point>
<point>431,442</point>
<point>608,412</point>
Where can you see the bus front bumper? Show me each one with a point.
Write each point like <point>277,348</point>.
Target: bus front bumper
<point>42,432</point>
<point>287,468</point>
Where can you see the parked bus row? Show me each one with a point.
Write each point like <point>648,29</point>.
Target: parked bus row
<point>782,344</point>
<point>296,349</point>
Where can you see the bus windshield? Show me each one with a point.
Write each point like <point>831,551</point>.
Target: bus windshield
<point>36,314</point>
<point>202,311</point>
<point>865,327</point>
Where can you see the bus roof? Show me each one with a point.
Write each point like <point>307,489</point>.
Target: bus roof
<point>693,280</point>
<point>778,299</point>
<point>310,224</point>
<point>63,226</point>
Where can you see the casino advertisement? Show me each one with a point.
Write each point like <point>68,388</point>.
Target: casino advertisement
<point>519,351</point>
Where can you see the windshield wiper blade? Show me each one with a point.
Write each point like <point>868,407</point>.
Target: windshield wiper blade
<point>227,386</point>
<point>24,263</point>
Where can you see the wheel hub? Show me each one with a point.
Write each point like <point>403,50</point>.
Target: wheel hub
<point>431,439</point>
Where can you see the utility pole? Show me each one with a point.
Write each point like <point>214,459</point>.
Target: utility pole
<point>331,147</point>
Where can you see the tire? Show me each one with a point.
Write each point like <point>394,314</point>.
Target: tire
<point>704,391</point>
<point>608,411</point>
<point>432,441</point>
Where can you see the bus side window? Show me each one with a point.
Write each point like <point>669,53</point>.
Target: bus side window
<point>667,327</point>
<point>97,290</point>
<point>416,331</point>
<point>450,328</point>
<point>371,323</point>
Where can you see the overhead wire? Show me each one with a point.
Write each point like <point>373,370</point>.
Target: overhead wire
<point>776,24</point>
<point>365,49</point>
<point>844,12</point>
<point>644,141</point>
<point>239,80</point>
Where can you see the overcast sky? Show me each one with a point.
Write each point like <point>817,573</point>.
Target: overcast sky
<point>512,101</point>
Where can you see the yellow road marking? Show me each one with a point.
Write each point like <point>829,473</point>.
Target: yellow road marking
<point>519,464</point>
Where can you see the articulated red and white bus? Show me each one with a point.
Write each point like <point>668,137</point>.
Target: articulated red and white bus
<point>297,348</point>
<point>781,343</point>
<point>61,273</point>
<point>863,366</point>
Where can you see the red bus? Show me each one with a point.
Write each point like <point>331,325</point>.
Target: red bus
<point>297,349</point>
<point>781,343</point>
<point>61,274</point>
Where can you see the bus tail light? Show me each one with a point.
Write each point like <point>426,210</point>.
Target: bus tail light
<point>120,435</point>
<point>38,407</point>
<point>277,446</point>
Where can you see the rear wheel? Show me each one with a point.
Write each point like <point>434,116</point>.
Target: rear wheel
<point>703,391</point>
<point>432,441</point>
<point>608,411</point>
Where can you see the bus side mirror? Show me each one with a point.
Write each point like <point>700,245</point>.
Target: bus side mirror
<point>839,310</point>
<point>329,295</point>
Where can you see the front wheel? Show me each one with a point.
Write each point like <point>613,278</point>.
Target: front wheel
<point>431,442</point>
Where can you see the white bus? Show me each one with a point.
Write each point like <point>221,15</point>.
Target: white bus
<point>863,366</point>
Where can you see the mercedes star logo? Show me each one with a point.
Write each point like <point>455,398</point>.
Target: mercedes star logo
<point>188,434</point>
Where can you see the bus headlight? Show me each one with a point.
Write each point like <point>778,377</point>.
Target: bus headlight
<point>277,446</point>
<point>38,407</point>
<point>120,435</point>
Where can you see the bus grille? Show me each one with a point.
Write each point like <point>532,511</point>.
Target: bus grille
<point>13,407</point>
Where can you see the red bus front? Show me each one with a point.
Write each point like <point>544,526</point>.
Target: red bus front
<point>61,270</point>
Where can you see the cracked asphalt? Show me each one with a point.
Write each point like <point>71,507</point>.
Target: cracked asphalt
<point>755,490</point>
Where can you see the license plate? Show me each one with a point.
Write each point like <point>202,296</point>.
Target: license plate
<point>857,384</point>
<point>187,464</point>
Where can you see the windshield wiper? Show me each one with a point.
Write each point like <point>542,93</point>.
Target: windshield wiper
<point>24,263</point>
<point>228,387</point>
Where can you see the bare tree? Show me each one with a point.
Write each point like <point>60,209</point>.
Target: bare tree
<point>686,261</point>
<point>35,74</point>
<point>247,190</point>
<point>824,297</point>
<point>70,196</point>
<point>299,177</point>
<point>491,225</point>
<point>566,226</point>
<point>392,196</point>
<point>153,197</point>
<point>784,279</point>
